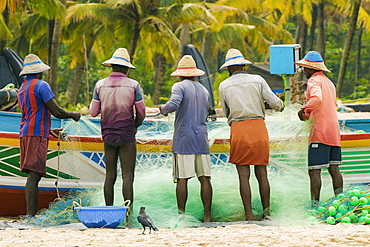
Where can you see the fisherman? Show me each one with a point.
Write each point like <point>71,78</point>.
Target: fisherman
<point>36,101</point>
<point>120,101</point>
<point>243,98</point>
<point>324,149</point>
<point>191,155</point>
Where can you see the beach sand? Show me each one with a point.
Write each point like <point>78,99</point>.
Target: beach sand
<point>227,235</point>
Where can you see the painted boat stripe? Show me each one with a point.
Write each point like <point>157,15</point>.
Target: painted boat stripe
<point>40,188</point>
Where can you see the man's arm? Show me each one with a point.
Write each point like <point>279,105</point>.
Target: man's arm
<point>314,96</point>
<point>224,105</point>
<point>272,100</point>
<point>175,100</point>
<point>139,105</point>
<point>95,103</point>
<point>58,112</point>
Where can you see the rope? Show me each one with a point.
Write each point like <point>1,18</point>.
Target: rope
<point>58,170</point>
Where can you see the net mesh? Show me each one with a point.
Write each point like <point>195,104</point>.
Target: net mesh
<point>82,156</point>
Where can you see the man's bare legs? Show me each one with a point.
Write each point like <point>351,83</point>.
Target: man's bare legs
<point>206,195</point>
<point>337,179</point>
<point>245,190</point>
<point>315,184</point>
<point>31,190</point>
<point>127,153</point>
<point>264,188</point>
<point>111,158</point>
<point>181,194</point>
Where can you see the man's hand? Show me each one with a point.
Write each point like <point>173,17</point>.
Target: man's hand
<point>267,106</point>
<point>55,132</point>
<point>76,116</point>
<point>302,115</point>
<point>160,109</point>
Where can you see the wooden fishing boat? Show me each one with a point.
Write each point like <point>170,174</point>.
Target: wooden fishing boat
<point>78,162</point>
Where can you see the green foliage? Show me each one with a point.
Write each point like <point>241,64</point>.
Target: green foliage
<point>362,90</point>
<point>148,101</point>
<point>213,28</point>
<point>77,107</point>
<point>219,78</point>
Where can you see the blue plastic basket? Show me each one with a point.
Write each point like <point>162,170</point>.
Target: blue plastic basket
<point>104,216</point>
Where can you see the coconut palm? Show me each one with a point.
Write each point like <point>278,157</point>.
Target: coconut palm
<point>7,8</point>
<point>134,21</point>
<point>355,10</point>
<point>33,23</point>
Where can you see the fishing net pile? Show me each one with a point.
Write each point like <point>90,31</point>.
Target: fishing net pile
<point>154,187</point>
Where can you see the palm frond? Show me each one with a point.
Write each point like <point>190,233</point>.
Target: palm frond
<point>50,9</point>
<point>364,17</point>
<point>4,30</point>
<point>93,11</point>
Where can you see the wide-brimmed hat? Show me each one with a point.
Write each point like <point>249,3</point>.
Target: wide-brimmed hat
<point>187,68</point>
<point>120,57</point>
<point>313,60</point>
<point>234,57</point>
<point>32,64</point>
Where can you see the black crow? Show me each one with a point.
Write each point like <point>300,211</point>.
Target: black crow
<point>145,220</point>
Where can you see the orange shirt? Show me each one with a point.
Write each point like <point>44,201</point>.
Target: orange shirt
<point>321,106</point>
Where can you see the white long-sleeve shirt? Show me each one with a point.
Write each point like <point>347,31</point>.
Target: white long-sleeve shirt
<point>242,97</point>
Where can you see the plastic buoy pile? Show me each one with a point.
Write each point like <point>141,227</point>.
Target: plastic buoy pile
<point>352,206</point>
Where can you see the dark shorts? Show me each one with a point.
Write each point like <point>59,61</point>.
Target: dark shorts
<point>322,156</point>
<point>34,150</point>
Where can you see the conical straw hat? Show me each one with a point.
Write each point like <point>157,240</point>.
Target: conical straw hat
<point>120,57</point>
<point>234,57</point>
<point>32,64</point>
<point>313,60</point>
<point>187,68</point>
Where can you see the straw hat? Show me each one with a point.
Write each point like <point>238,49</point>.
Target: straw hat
<point>187,68</point>
<point>32,64</point>
<point>234,57</point>
<point>120,57</point>
<point>313,60</point>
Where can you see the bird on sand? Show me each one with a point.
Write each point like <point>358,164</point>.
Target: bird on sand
<point>145,220</point>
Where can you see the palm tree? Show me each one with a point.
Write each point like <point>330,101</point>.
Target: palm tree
<point>33,23</point>
<point>53,54</point>
<point>347,44</point>
<point>7,10</point>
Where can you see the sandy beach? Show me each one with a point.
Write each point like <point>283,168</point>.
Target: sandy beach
<point>227,235</point>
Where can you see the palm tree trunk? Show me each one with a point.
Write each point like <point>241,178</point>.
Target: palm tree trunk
<point>134,40</point>
<point>54,55</point>
<point>184,36</point>
<point>133,43</point>
<point>347,45</point>
<point>300,38</point>
<point>50,41</point>
<point>160,68</point>
<point>73,87</point>
<point>6,21</point>
<point>313,27</point>
<point>301,34</point>
<point>87,99</point>
<point>320,43</point>
<point>358,58</point>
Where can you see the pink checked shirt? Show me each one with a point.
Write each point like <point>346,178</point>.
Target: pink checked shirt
<point>321,106</point>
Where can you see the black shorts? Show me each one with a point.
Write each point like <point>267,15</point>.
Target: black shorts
<point>322,156</point>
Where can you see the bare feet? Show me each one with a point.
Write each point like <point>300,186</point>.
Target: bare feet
<point>207,219</point>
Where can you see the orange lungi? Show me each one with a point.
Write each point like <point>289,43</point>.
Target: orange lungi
<point>249,143</point>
